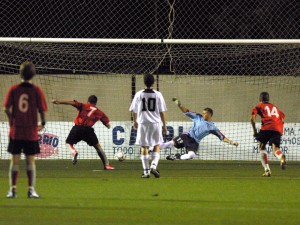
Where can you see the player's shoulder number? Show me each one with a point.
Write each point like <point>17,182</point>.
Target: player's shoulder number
<point>272,112</point>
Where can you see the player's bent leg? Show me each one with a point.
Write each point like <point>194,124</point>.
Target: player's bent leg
<point>155,160</point>
<point>103,157</point>
<point>74,153</point>
<point>187,156</point>
<point>168,144</point>
<point>145,162</point>
<point>31,176</point>
<point>279,155</point>
<point>13,175</point>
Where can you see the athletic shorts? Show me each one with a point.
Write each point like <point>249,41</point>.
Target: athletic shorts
<point>149,134</point>
<point>82,133</point>
<point>187,142</point>
<point>271,136</point>
<point>16,147</point>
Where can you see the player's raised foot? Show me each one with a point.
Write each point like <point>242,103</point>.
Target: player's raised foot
<point>170,157</point>
<point>32,194</point>
<point>109,167</point>
<point>267,173</point>
<point>283,162</point>
<point>145,176</point>
<point>74,159</point>
<point>155,172</point>
<point>11,194</point>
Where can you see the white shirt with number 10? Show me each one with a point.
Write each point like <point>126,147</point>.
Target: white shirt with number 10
<point>148,104</point>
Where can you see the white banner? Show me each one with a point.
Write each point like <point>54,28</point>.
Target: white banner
<point>122,137</point>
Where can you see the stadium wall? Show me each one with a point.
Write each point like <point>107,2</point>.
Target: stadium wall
<point>231,97</point>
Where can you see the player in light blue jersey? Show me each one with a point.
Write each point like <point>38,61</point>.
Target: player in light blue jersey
<point>190,139</point>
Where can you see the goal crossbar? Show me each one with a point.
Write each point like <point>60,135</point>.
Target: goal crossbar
<point>148,41</point>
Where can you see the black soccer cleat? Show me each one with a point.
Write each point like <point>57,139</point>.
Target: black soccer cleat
<point>177,156</point>
<point>283,162</point>
<point>155,173</point>
<point>145,176</point>
<point>74,160</point>
<point>170,157</point>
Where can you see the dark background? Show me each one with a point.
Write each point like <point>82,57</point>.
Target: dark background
<point>188,19</point>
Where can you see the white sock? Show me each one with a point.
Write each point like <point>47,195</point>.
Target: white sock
<point>264,159</point>
<point>155,159</point>
<point>31,174</point>
<point>189,155</point>
<point>168,144</point>
<point>145,163</point>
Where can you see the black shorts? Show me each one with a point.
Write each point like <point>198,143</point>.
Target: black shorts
<point>271,136</point>
<point>82,133</point>
<point>187,142</point>
<point>16,147</point>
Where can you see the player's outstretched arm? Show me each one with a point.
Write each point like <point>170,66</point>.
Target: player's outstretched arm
<point>57,102</point>
<point>180,106</point>
<point>252,120</point>
<point>230,142</point>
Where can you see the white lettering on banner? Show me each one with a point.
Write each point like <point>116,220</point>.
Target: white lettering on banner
<point>122,137</point>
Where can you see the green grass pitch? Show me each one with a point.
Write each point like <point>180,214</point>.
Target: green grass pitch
<point>188,192</point>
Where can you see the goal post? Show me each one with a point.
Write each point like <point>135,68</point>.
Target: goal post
<point>148,41</point>
<point>227,77</point>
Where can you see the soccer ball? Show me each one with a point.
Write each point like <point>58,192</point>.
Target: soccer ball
<point>120,156</point>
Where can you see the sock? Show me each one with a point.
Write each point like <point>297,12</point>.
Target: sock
<point>145,163</point>
<point>155,159</point>
<point>13,176</point>
<point>264,159</point>
<point>102,156</point>
<point>189,155</point>
<point>278,154</point>
<point>168,144</point>
<point>31,176</point>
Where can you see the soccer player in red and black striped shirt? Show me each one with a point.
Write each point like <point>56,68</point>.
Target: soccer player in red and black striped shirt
<point>22,104</point>
<point>88,115</point>
<point>271,130</point>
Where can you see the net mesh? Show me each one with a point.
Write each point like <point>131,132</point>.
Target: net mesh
<point>227,78</point>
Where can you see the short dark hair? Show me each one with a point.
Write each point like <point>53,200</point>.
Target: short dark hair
<point>27,70</point>
<point>148,80</point>
<point>211,112</point>
<point>264,97</point>
<point>93,99</point>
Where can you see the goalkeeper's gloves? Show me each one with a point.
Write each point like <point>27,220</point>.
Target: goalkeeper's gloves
<point>234,143</point>
<point>176,101</point>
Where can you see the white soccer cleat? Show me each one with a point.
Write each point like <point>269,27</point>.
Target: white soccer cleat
<point>32,194</point>
<point>11,194</point>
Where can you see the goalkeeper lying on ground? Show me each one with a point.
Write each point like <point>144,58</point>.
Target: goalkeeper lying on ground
<point>190,139</point>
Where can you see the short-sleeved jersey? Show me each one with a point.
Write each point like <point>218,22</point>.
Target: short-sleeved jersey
<point>271,117</point>
<point>89,114</point>
<point>201,128</point>
<point>25,100</point>
<point>148,104</point>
